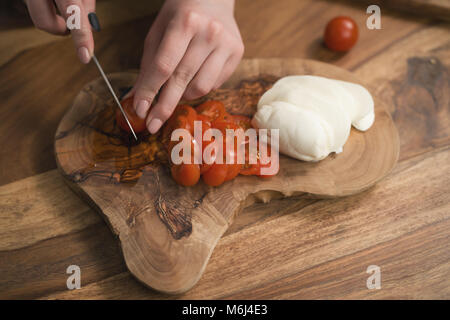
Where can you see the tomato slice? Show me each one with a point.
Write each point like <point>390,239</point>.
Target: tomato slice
<point>250,169</point>
<point>212,109</point>
<point>186,174</point>
<point>204,118</point>
<point>137,123</point>
<point>212,114</point>
<point>242,121</point>
<point>182,117</point>
<point>188,114</point>
<point>222,125</point>
<point>255,169</point>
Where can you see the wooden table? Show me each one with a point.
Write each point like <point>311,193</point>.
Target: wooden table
<point>290,248</point>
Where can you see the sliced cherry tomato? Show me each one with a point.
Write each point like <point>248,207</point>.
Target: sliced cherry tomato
<point>216,175</point>
<point>137,123</point>
<point>255,169</point>
<point>194,145</point>
<point>182,117</point>
<point>250,169</point>
<point>213,109</point>
<point>341,34</point>
<point>234,168</point>
<point>186,174</point>
<point>204,118</point>
<point>188,114</point>
<point>206,166</point>
<point>242,121</point>
<point>222,125</point>
<point>206,123</point>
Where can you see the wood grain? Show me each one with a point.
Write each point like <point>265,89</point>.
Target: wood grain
<point>38,85</point>
<point>431,8</point>
<point>17,40</point>
<point>321,249</point>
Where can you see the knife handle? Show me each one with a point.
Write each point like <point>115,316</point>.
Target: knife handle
<point>93,20</point>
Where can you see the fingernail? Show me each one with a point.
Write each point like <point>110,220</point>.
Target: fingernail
<point>142,108</point>
<point>154,125</point>
<point>83,55</point>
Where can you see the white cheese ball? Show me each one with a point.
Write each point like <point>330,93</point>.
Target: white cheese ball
<point>314,114</point>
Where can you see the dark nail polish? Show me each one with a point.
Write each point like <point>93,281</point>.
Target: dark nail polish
<point>93,20</point>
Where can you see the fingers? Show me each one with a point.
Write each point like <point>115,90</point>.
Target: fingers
<point>150,47</point>
<point>82,37</point>
<point>237,51</point>
<point>229,67</point>
<point>43,14</point>
<point>89,5</point>
<point>174,88</point>
<point>207,76</point>
<point>158,65</point>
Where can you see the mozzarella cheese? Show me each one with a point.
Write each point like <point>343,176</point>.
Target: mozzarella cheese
<point>314,114</point>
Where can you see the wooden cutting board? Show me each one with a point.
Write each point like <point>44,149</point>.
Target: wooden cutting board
<point>168,232</point>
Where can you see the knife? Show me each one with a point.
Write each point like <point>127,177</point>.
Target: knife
<point>93,20</point>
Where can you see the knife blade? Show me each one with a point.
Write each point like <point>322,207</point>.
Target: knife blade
<point>95,24</point>
<point>113,94</point>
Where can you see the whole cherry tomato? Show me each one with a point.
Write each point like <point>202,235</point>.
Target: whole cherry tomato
<point>216,175</point>
<point>341,34</point>
<point>137,123</point>
<point>233,169</point>
<point>186,174</point>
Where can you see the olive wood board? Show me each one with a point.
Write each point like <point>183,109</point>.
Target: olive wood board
<point>167,232</point>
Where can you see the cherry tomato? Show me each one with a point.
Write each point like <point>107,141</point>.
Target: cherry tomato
<point>341,34</point>
<point>223,125</point>
<point>194,145</point>
<point>212,109</point>
<point>255,169</point>
<point>188,114</point>
<point>204,118</point>
<point>216,175</point>
<point>186,174</point>
<point>212,114</point>
<point>248,169</point>
<point>233,170</point>
<point>182,117</point>
<point>206,166</point>
<point>242,121</point>
<point>137,123</point>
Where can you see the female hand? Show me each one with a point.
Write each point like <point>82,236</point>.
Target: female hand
<point>45,17</point>
<point>192,47</point>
